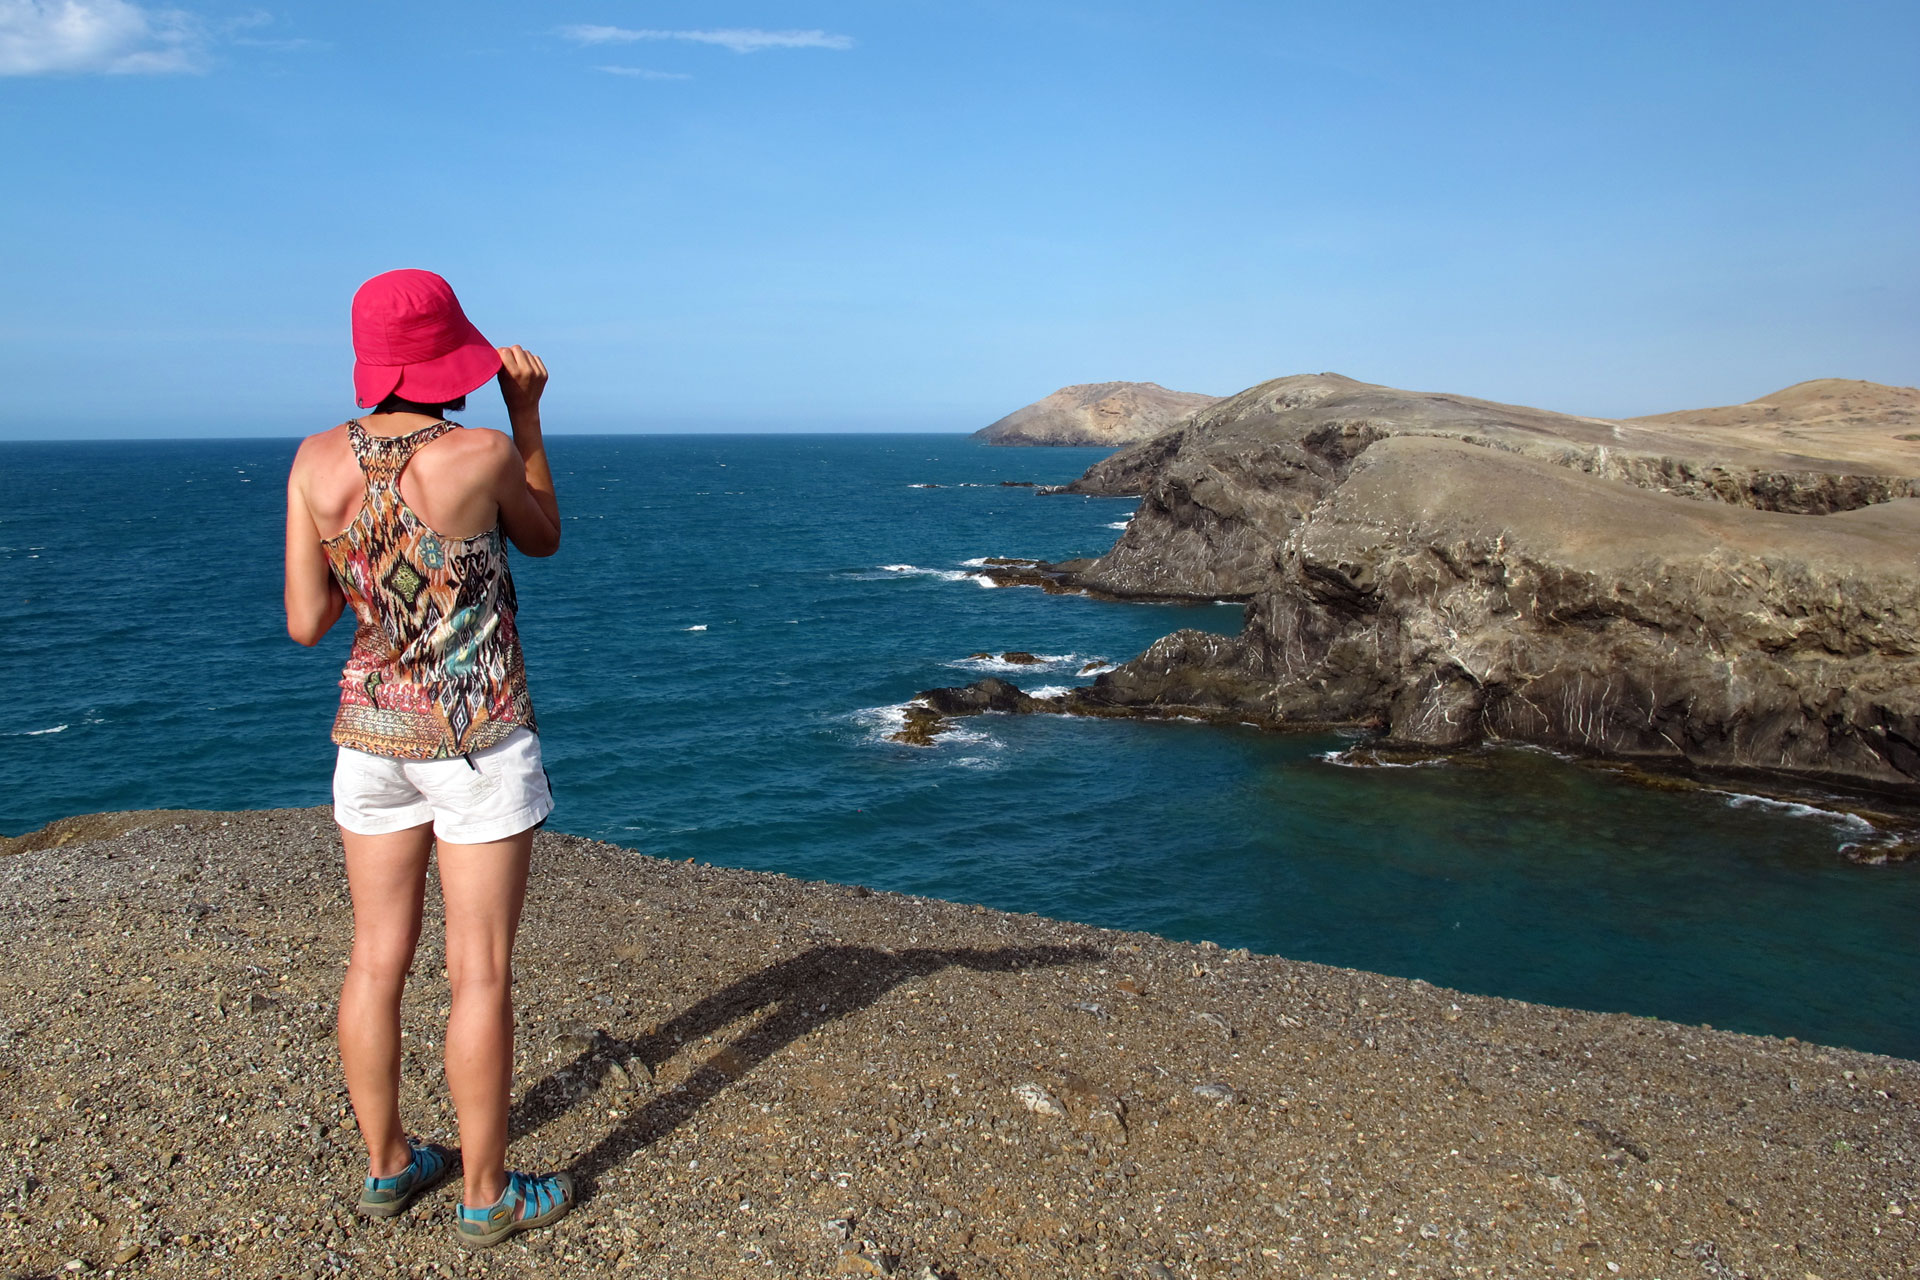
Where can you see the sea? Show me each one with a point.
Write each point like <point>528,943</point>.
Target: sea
<point>730,633</point>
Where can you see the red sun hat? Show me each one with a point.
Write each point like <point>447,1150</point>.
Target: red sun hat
<point>410,337</point>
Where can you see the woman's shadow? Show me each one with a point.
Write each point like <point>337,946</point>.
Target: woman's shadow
<point>806,992</point>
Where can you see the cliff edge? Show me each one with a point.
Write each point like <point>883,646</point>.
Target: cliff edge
<point>754,1075</point>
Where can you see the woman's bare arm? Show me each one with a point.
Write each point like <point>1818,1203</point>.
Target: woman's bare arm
<point>314,600</point>
<point>529,511</point>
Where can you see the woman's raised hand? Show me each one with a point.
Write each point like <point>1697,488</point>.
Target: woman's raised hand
<point>523,376</point>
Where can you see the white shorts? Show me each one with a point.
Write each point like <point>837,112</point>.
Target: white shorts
<point>501,793</point>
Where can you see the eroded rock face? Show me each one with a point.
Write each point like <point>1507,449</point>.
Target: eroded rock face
<point>1448,570</point>
<point>1095,413</point>
<point>1222,493</point>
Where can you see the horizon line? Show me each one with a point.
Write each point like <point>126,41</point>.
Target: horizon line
<point>856,431</point>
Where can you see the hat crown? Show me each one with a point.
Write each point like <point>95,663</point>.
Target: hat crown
<point>406,317</point>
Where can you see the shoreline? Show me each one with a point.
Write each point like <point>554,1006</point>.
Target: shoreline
<point>760,1075</point>
<point>1890,821</point>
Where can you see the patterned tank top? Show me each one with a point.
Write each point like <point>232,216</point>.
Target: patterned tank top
<point>436,669</point>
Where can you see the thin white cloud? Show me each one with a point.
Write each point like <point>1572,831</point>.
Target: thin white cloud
<point>645,73</point>
<point>111,37</point>
<point>292,44</point>
<point>738,39</point>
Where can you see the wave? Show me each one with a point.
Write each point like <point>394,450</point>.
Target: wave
<point>919,571</point>
<point>1119,524</point>
<point>1365,758</point>
<point>1050,691</point>
<point>1796,809</point>
<point>34,733</point>
<point>1047,662</point>
<point>699,627</point>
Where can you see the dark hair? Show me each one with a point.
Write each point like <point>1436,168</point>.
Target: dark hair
<point>400,404</point>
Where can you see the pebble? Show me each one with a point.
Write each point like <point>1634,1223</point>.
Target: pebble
<point>1220,1095</point>
<point>1036,1099</point>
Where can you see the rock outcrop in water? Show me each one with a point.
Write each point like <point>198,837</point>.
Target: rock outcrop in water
<point>1096,413</point>
<point>1699,587</point>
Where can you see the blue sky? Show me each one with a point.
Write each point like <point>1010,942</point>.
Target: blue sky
<point>918,216</point>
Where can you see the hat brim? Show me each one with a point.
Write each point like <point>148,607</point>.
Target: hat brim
<point>464,369</point>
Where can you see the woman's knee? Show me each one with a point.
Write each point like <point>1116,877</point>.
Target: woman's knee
<point>380,964</point>
<point>479,977</point>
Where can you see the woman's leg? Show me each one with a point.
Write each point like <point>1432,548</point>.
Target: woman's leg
<point>387,875</point>
<point>484,886</point>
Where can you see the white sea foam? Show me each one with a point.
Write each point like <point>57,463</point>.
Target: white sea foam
<point>1119,524</point>
<point>701,627</point>
<point>1355,758</point>
<point>1048,662</point>
<point>882,722</point>
<point>34,733</point>
<point>1795,809</point>
<point>919,571</point>
<point>1100,670</point>
<point>1050,690</point>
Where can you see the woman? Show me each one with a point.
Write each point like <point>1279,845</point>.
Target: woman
<point>400,515</point>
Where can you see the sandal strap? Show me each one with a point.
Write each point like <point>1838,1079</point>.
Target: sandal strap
<point>422,1164</point>
<point>546,1194</point>
<point>526,1196</point>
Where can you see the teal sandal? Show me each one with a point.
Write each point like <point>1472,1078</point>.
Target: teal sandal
<point>528,1202</point>
<point>389,1197</point>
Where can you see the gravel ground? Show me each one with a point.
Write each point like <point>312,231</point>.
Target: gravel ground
<point>760,1076</point>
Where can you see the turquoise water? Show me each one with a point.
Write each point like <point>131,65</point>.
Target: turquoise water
<point>720,647</point>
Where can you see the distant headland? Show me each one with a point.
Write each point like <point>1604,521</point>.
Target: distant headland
<point>1096,413</point>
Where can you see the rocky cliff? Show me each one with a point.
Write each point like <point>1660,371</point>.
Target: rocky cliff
<point>1096,413</point>
<point>1733,588</point>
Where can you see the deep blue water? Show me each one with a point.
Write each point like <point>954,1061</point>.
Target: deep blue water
<point>714,654</point>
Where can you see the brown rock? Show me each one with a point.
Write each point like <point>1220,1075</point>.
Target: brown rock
<point>923,725</point>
